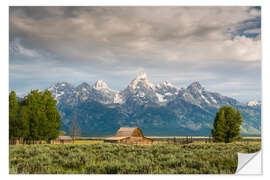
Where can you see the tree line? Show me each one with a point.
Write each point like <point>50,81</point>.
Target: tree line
<point>34,118</point>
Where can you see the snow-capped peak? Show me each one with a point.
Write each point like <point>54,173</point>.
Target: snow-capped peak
<point>166,84</point>
<point>60,86</point>
<point>142,76</point>
<point>254,103</point>
<point>100,85</point>
<point>141,79</point>
<point>195,86</point>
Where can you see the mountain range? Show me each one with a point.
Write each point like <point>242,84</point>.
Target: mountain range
<point>159,110</point>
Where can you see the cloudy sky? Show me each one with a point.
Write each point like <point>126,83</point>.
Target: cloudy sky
<point>218,46</point>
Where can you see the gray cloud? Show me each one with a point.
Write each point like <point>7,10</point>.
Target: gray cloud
<point>180,44</point>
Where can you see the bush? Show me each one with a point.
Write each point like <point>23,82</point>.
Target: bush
<point>127,159</point>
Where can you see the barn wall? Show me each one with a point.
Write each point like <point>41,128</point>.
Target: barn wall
<point>66,141</point>
<point>57,141</point>
<point>136,140</point>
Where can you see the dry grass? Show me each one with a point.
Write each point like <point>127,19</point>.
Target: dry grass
<point>88,142</point>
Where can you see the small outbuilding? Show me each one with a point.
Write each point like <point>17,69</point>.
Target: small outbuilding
<point>129,135</point>
<point>62,140</point>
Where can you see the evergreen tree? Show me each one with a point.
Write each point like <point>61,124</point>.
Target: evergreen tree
<point>226,127</point>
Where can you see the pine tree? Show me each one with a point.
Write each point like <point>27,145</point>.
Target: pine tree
<point>226,126</point>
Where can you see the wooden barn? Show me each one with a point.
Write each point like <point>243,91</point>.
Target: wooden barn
<point>62,140</point>
<point>129,135</point>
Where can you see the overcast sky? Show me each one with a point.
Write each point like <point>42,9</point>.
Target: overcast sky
<point>218,46</point>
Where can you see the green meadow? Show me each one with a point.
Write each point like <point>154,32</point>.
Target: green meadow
<point>106,158</point>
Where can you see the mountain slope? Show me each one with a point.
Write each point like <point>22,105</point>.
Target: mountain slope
<point>158,110</point>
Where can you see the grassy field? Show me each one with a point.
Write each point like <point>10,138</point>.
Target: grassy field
<point>105,158</point>
<point>87,142</point>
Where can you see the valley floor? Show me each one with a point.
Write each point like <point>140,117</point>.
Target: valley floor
<point>106,158</point>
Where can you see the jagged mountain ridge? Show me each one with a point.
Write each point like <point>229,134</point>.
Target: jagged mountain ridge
<point>162,109</point>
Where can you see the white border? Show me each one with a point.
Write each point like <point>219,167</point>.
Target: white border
<point>137,2</point>
<point>4,76</point>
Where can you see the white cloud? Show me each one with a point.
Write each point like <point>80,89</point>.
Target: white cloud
<point>169,43</point>
<point>16,47</point>
<point>253,31</point>
<point>173,33</point>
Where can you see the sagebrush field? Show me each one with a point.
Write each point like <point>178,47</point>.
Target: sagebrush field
<point>105,158</point>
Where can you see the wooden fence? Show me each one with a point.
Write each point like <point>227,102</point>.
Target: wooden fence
<point>175,141</point>
<point>22,141</point>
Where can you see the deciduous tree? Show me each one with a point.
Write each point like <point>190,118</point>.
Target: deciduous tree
<point>226,127</point>
<point>74,130</point>
<point>13,115</point>
<point>35,118</point>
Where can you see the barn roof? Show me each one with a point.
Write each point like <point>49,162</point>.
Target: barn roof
<point>125,132</point>
<point>116,138</point>
<point>129,131</point>
<point>64,138</point>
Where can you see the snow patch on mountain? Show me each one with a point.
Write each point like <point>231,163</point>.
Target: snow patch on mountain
<point>160,98</point>
<point>253,103</point>
<point>168,94</point>
<point>58,95</point>
<point>213,100</point>
<point>166,84</point>
<point>118,99</point>
<point>205,99</point>
<point>100,85</point>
